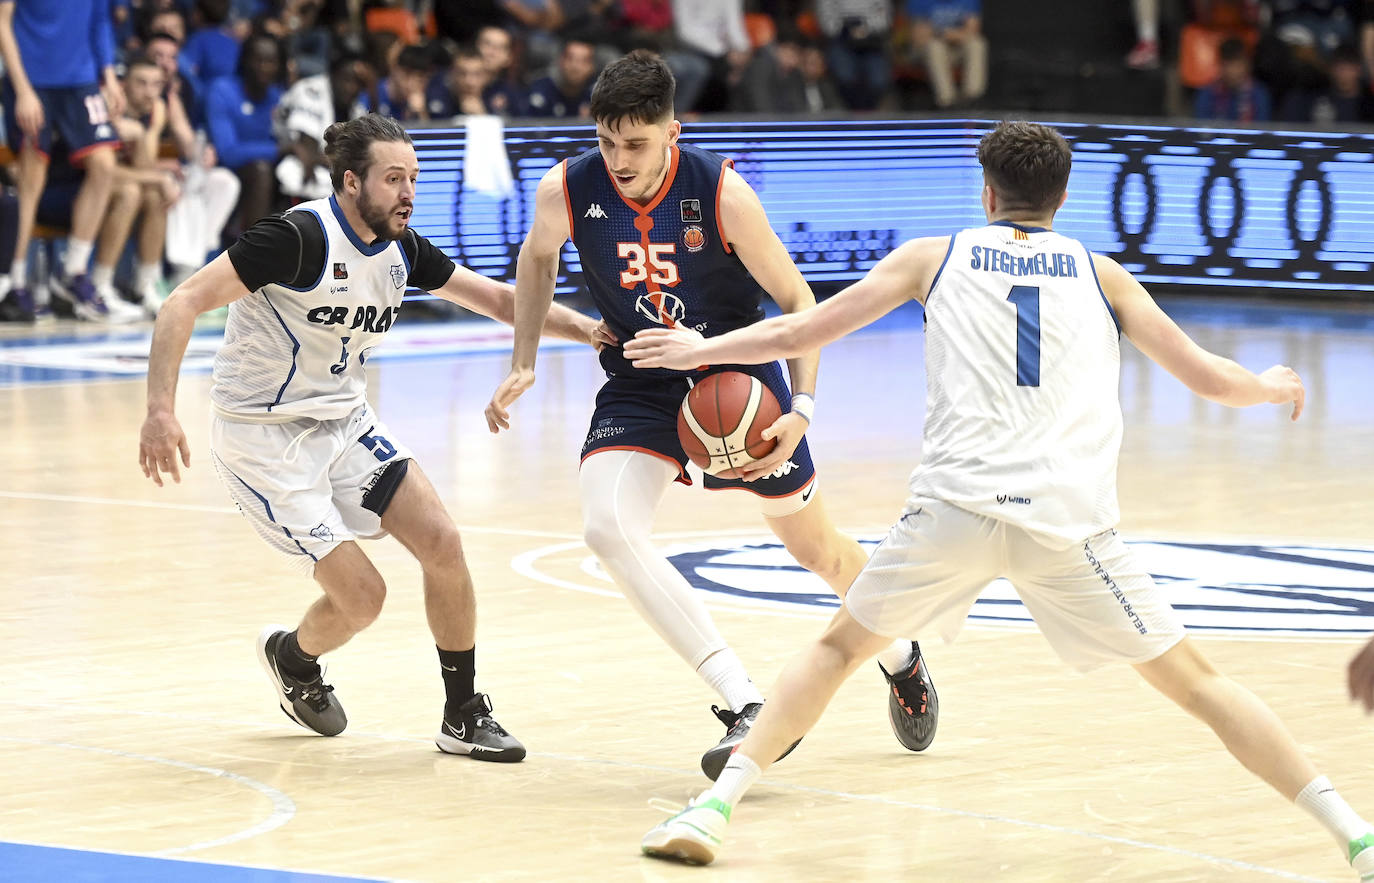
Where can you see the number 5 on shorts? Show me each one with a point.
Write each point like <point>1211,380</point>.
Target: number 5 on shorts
<point>380,447</point>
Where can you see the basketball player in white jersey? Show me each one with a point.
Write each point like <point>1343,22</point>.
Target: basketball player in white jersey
<point>310,293</point>
<point>1017,476</point>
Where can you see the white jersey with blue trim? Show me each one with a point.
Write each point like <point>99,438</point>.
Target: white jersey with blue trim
<point>1023,362</point>
<point>292,352</point>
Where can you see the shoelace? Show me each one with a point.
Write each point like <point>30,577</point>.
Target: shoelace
<point>294,447</point>
<point>316,694</point>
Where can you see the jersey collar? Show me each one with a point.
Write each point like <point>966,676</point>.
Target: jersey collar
<point>374,249</point>
<point>1022,227</point>
<point>662,190</point>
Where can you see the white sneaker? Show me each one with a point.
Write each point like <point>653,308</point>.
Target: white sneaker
<point>118,311</point>
<point>152,298</point>
<point>693,835</point>
<point>1362,856</point>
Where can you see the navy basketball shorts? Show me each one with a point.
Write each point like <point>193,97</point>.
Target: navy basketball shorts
<point>76,114</point>
<point>640,414</point>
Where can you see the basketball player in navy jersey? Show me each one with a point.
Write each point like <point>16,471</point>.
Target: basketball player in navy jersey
<point>310,293</point>
<point>1017,477</point>
<point>671,236</point>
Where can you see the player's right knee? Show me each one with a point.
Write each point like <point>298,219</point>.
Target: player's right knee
<point>605,538</point>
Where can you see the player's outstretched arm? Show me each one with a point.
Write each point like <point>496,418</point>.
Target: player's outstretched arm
<point>535,271</point>
<point>161,438</point>
<point>497,300</point>
<point>905,274</point>
<point>1213,377</point>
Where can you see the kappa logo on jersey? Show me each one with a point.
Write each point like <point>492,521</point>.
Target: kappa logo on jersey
<point>398,275</point>
<point>661,307</point>
<point>340,270</point>
<point>1228,588</point>
<point>691,211</point>
<point>596,211</point>
<point>322,533</point>
<point>786,467</point>
<point>694,238</point>
<point>368,317</point>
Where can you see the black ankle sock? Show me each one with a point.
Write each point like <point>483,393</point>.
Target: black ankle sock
<point>295,660</point>
<point>460,670</point>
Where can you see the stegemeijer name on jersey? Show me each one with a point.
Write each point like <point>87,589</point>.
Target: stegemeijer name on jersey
<point>995,260</point>
<point>367,317</point>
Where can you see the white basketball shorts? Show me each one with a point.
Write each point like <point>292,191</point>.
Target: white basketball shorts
<point>308,485</point>
<point>1092,601</point>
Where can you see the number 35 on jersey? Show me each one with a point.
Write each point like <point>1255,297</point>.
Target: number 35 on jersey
<point>647,263</point>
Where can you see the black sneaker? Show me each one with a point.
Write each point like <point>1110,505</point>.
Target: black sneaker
<point>737,724</point>
<point>912,706</point>
<point>17,306</point>
<point>79,293</point>
<point>310,703</point>
<point>475,733</point>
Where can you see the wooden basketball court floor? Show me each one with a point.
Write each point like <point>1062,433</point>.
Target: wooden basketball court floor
<point>138,734</point>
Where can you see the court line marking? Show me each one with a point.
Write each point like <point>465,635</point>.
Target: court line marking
<point>195,861</point>
<point>579,759</point>
<point>525,565</point>
<point>283,807</point>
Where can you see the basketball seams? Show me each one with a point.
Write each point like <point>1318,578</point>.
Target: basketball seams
<point>708,406</point>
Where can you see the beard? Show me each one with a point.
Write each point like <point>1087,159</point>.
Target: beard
<point>379,220</point>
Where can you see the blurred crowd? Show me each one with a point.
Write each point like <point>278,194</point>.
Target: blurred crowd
<point>212,112</point>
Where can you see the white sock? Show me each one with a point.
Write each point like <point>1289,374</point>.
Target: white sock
<point>19,273</point>
<point>726,675</point>
<point>1148,32</point>
<point>102,277</point>
<point>1321,801</point>
<point>77,257</point>
<point>739,775</point>
<point>897,656</point>
<point>146,276</point>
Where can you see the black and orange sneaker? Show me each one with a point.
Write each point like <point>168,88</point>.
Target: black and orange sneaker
<point>737,724</point>
<point>912,705</point>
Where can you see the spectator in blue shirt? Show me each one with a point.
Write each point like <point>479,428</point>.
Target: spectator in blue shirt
<point>238,114</point>
<point>212,50</point>
<point>568,93</point>
<point>61,86</point>
<point>1235,95</point>
<point>946,33</point>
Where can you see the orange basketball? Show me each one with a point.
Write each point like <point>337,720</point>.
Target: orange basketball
<point>721,421</point>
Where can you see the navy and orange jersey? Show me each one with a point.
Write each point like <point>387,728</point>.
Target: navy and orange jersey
<point>661,264</point>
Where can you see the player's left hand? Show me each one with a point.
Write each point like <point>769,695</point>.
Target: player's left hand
<point>113,93</point>
<point>1360,677</point>
<point>515,384</point>
<point>665,348</point>
<point>601,336</point>
<point>788,430</point>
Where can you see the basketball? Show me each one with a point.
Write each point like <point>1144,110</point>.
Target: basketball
<point>722,419</point>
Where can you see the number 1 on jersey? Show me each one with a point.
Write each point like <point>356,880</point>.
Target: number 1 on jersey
<point>1027,301</point>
